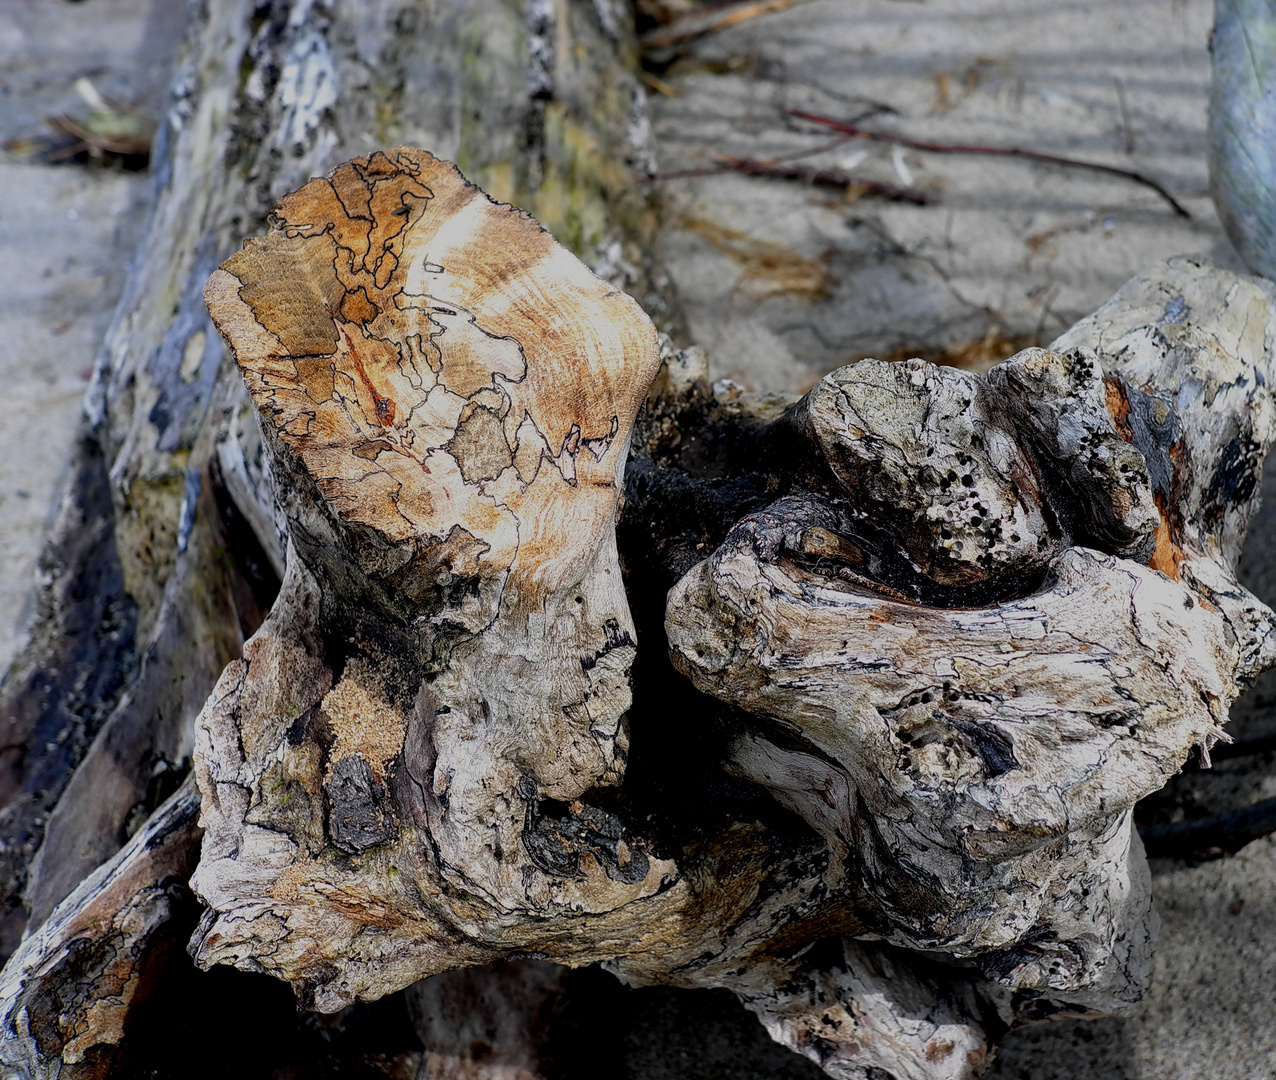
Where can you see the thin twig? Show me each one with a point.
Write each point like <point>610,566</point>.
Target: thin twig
<point>1221,832</point>
<point>1126,127</point>
<point>1243,748</point>
<point>658,84</point>
<point>1001,151</point>
<point>830,178</point>
<point>126,143</point>
<point>731,15</point>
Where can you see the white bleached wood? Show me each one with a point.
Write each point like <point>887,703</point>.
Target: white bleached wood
<point>974,767</point>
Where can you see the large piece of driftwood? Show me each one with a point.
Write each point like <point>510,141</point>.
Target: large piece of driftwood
<point>140,611</point>
<point>1242,121</point>
<point>433,755</point>
<point>408,772</point>
<point>962,669</point>
<point>975,763</point>
<point>447,396</point>
<point>958,624</point>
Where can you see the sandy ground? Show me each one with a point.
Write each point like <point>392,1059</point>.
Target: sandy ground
<point>67,234</point>
<point>1010,248</point>
<point>780,283</point>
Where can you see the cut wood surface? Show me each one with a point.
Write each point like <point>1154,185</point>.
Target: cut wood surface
<point>447,395</point>
<point>930,611</point>
<point>123,651</point>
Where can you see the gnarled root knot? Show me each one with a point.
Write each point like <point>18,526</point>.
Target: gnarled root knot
<point>955,624</point>
<point>991,613</point>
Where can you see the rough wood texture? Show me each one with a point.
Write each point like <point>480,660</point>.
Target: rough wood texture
<point>954,662</point>
<point>408,771</point>
<point>541,104</point>
<point>1241,124</point>
<point>428,756</point>
<point>448,394</point>
<point>387,798</point>
<point>975,766</point>
<point>67,992</point>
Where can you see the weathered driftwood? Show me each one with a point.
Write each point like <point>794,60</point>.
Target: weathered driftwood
<point>428,756</point>
<point>976,766</point>
<point>452,642</point>
<point>957,665</point>
<point>408,772</point>
<point>1242,121</point>
<point>67,992</point>
<point>139,612</point>
<point>387,798</point>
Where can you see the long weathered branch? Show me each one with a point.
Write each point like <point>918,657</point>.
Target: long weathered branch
<point>67,993</point>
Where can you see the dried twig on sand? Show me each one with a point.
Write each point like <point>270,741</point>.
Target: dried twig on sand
<point>774,169</point>
<point>1000,151</point>
<point>1220,834</point>
<point>774,270</point>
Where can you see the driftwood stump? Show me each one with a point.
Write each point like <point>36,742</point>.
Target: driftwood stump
<point>534,649</point>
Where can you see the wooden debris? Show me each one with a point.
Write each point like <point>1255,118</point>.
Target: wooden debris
<point>406,773</point>
<point>913,728</point>
<point>769,269</point>
<point>954,624</point>
<point>1210,836</point>
<point>777,169</point>
<point>1242,122</point>
<point>710,20</point>
<point>446,394</point>
<point>111,130</point>
<point>66,994</point>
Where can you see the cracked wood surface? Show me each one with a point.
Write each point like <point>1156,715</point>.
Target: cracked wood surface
<point>384,797</point>
<point>407,772</point>
<point>452,419</point>
<point>955,689</point>
<point>977,766</point>
<point>69,989</point>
